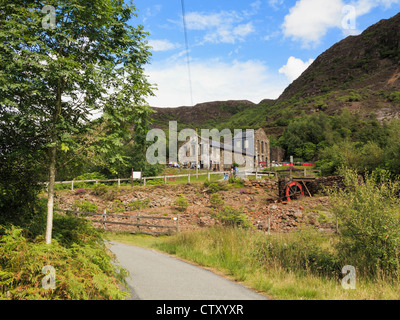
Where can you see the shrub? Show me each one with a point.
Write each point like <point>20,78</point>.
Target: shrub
<point>99,189</point>
<point>233,179</point>
<point>231,217</point>
<point>91,176</point>
<point>216,201</point>
<point>84,269</point>
<point>181,203</point>
<point>118,206</point>
<point>139,204</point>
<point>214,187</point>
<point>80,191</point>
<point>369,213</point>
<point>85,206</point>
<point>88,176</point>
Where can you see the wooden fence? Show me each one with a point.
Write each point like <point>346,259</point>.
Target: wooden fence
<point>140,227</point>
<point>144,180</point>
<point>189,176</point>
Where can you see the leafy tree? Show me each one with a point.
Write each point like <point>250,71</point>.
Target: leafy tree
<point>313,129</point>
<point>55,77</point>
<point>392,151</point>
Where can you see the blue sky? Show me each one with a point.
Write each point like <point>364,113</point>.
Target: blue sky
<point>244,50</point>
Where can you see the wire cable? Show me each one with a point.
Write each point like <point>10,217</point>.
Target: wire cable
<point>187,50</point>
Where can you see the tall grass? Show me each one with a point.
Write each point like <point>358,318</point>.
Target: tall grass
<point>300,265</point>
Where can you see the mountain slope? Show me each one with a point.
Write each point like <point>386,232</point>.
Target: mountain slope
<point>360,73</point>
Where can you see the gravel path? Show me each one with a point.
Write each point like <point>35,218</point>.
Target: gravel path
<point>156,276</point>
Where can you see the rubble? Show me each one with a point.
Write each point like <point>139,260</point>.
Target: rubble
<point>258,200</point>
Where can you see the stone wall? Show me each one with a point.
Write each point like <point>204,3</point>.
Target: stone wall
<point>323,183</point>
<point>270,184</point>
<point>317,186</point>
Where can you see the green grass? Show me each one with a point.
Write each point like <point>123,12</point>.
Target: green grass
<point>295,266</point>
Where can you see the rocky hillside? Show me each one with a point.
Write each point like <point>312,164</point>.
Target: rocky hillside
<point>203,115</point>
<point>361,73</point>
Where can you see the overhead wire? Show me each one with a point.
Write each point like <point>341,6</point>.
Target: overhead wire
<point>187,50</point>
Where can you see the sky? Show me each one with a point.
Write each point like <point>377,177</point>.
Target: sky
<point>243,50</point>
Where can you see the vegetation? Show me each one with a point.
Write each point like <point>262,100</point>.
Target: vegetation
<point>85,269</point>
<point>307,264</point>
<point>231,217</point>
<point>216,201</point>
<point>370,223</point>
<point>343,140</point>
<point>53,80</point>
<point>181,203</point>
<point>94,58</point>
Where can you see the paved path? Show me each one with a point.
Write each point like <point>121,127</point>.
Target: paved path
<point>156,276</point>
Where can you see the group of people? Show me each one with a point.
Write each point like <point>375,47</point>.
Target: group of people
<point>234,172</point>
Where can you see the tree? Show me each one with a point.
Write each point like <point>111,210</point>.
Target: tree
<point>60,67</point>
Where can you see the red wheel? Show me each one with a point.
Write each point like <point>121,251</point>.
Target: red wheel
<point>294,190</point>
<point>171,178</point>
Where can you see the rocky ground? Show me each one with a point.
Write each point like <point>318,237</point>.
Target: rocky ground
<point>259,201</point>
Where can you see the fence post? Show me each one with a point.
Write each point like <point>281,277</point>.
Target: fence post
<point>165,179</point>
<point>189,178</point>
<point>72,186</point>
<point>138,221</point>
<point>144,181</point>
<point>177,223</point>
<point>119,182</point>
<point>104,219</point>
<point>209,176</point>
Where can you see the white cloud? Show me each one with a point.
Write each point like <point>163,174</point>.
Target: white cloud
<point>275,3</point>
<point>309,20</point>
<point>162,45</point>
<point>222,27</point>
<point>212,80</point>
<point>294,68</point>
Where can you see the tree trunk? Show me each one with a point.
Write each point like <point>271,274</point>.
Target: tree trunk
<point>52,167</point>
<point>50,194</point>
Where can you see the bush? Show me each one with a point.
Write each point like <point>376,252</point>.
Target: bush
<point>369,213</point>
<point>181,203</point>
<point>214,187</point>
<point>231,217</point>
<point>118,206</point>
<point>85,206</point>
<point>99,189</point>
<point>80,191</point>
<point>216,201</point>
<point>233,179</point>
<point>139,204</point>
<point>84,268</point>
